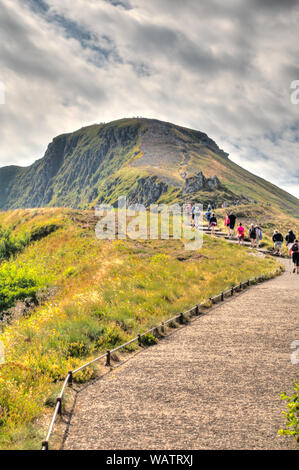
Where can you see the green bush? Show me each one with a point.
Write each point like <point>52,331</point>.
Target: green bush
<point>17,283</point>
<point>11,244</point>
<point>292,415</point>
<point>148,340</point>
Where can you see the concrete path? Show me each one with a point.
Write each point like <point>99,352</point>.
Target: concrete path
<point>214,384</point>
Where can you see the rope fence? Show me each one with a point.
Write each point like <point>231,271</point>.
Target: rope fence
<point>181,318</point>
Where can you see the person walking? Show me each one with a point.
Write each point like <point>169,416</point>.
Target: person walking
<point>241,234</point>
<point>193,215</point>
<point>259,235</point>
<point>208,215</point>
<point>278,241</point>
<point>213,223</point>
<point>232,222</point>
<point>226,224</point>
<point>290,238</point>
<point>197,214</point>
<point>252,235</point>
<point>295,256</point>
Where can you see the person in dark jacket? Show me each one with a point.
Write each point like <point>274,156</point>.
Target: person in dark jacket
<point>290,238</point>
<point>295,256</point>
<point>213,223</point>
<point>278,241</point>
<point>232,223</point>
<point>252,235</point>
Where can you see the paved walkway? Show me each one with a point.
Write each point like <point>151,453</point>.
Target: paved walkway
<point>214,384</point>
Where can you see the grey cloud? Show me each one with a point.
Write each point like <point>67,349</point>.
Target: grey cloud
<point>221,67</point>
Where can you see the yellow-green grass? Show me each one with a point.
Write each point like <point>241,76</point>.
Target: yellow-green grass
<point>106,292</point>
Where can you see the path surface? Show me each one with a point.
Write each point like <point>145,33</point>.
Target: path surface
<point>214,384</point>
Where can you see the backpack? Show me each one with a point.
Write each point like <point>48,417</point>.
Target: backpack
<point>295,247</point>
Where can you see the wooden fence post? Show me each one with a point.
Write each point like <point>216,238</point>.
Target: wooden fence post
<point>108,360</point>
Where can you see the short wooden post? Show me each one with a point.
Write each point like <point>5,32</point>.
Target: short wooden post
<point>139,340</point>
<point>232,291</point>
<point>196,310</point>
<point>70,378</point>
<point>181,318</point>
<point>58,400</point>
<point>162,327</point>
<point>222,296</point>
<point>108,360</point>
<point>45,444</point>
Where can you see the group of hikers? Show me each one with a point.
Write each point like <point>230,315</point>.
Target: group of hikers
<point>255,232</point>
<point>292,245</point>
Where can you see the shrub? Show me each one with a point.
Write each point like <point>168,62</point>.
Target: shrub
<point>17,283</point>
<point>148,340</point>
<point>11,244</point>
<point>292,415</point>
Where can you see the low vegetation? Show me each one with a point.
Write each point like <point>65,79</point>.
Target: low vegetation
<point>292,414</point>
<point>105,293</point>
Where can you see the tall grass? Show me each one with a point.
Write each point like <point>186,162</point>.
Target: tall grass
<point>106,293</point>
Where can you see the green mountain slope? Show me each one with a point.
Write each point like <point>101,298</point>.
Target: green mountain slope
<point>148,160</point>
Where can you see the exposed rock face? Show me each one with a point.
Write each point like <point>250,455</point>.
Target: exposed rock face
<point>213,183</point>
<point>199,183</point>
<point>147,192</point>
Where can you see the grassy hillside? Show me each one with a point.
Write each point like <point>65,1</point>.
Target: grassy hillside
<point>146,159</point>
<point>73,296</point>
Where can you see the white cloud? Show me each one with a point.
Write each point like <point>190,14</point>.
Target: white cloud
<point>224,68</point>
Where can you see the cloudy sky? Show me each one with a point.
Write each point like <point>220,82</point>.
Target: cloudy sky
<point>222,67</point>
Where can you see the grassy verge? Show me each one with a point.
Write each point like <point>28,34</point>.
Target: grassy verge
<point>106,292</point>
<point>292,414</point>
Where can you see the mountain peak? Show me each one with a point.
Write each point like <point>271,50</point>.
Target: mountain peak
<point>146,159</point>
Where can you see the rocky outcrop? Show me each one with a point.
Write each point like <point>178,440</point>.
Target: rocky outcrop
<point>147,191</point>
<point>199,182</point>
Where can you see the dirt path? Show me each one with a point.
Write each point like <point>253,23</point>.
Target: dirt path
<point>214,384</point>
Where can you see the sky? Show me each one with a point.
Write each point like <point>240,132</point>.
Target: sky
<point>224,68</point>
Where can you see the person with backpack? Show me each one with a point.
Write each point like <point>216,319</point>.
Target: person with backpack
<point>259,235</point>
<point>232,222</point>
<point>241,234</point>
<point>213,223</point>
<point>278,241</point>
<point>295,256</point>
<point>208,215</point>
<point>290,238</point>
<point>252,235</point>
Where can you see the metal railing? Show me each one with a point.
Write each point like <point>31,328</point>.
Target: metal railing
<point>179,317</point>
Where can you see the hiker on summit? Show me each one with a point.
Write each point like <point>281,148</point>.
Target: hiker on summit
<point>241,234</point>
<point>295,256</point>
<point>278,241</point>
<point>213,223</point>
<point>290,238</point>
<point>252,235</point>
<point>232,222</point>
